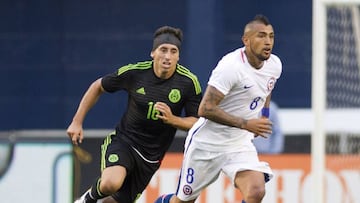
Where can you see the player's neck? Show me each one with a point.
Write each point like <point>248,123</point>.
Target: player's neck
<point>253,60</point>
<point>163,74</point>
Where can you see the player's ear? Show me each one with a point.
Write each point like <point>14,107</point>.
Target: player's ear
<point>245,40</point>
<point>152,54</point>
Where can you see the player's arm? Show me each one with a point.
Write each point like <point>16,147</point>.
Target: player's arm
<point>75,130</point>
<point>209,108</point>
<point>183,123</point>
<point>267,101</point>
<point>265,112</point>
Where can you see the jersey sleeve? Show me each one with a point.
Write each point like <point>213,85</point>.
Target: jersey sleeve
<point>114,81</point>
<point>192,105</point>
<point>278,66</point>
<point>223,77</point>
<point>194,96</point>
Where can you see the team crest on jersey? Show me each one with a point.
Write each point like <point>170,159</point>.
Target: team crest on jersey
<point>174,95</point>
<point>187,190</point>
<point>271,84</point>
<point>113,158</point>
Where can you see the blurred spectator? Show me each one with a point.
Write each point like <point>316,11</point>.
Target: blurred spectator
<point>274,144</point>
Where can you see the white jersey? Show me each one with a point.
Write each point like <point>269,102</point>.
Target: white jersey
<point>245,89</point>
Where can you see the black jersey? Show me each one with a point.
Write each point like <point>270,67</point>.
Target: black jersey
<point>139,125</point>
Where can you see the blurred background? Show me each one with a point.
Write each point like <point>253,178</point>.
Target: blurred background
<point>51,51</point>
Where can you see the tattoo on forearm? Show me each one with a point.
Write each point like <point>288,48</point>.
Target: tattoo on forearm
<point>211,110</point>
<point>208,105</point>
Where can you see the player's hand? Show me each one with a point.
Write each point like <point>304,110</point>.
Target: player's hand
<point>260,127</point>
<point>165,112</point>
<point>75,133</point>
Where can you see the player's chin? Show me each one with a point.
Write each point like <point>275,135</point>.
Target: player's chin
<point>263,57</point>
<point>266,55</point>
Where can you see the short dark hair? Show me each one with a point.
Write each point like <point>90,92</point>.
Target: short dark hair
<point>261,19</point>
<point>167,34</point>
<point>169,30</point>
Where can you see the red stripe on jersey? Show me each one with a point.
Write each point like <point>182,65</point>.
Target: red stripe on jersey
<point>242,56</point>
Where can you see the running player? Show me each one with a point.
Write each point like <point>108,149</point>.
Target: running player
<point>158,92</point>
<point>239,89</point>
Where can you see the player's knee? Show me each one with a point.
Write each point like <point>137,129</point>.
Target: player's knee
<point>109,186</point>
<point>109,200</point>
<point>256,194</point>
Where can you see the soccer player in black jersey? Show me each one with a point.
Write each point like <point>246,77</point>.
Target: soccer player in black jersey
<point>158,92</point>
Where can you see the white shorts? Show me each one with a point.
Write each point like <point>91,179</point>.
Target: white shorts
<point>201,168</point>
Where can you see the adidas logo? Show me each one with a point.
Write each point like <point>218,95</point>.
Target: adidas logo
<point>141,90</point>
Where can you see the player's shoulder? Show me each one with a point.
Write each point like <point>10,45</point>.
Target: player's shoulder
<point>276,65</point>
<point>139,66</point>
<point>185,72</point>
<point>231,56</point>
<point>275,59</point>
<point>229,60</point>
<point>189,76</point>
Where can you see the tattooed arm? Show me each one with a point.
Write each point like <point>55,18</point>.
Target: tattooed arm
<point>209,109</point>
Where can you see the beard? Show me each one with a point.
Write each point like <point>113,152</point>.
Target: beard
<point>262,57</point>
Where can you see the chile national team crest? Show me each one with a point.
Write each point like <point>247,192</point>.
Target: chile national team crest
<point>187,190</point>
<point>271,83</point>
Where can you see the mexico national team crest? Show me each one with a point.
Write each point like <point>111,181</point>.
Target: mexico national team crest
<point>174,95</point>
<point>271,84</point>
<point>113,158</point>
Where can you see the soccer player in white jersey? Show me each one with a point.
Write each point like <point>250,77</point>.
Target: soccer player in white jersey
<point>234,110</point>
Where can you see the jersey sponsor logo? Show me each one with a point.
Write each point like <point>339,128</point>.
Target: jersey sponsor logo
<point>174,95</point>
<point>271,83</point>
<point>187,190</point>
<point>113,158</point>
<point>141,91</point>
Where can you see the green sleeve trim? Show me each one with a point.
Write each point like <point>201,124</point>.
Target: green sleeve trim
<point>138,66</point>
<point>186,72</point>
<point>148,64</point>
